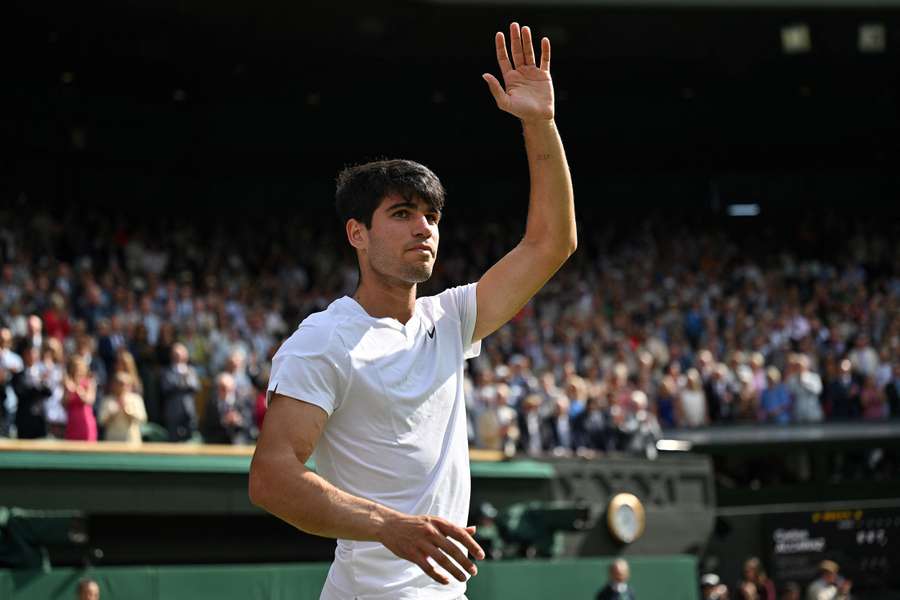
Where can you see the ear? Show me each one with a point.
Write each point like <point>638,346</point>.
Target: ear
<point>357,234</point>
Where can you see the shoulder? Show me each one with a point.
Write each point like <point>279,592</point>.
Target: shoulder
<point>316,334</point>
<point>451,301</point>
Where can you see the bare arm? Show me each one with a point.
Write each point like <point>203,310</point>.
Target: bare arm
<point>281,484</point>
<point>550,235</point>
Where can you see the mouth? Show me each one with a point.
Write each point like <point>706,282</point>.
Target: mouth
<point>421,248</point>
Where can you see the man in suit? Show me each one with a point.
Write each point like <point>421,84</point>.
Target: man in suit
<point>617,587</point>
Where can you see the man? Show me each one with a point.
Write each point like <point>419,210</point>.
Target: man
<point>229,417</point>
<point>374,384</point>
<point>617,587</point>
<point>179,386</point>
<point>828,586</point>
<point>88,589</point>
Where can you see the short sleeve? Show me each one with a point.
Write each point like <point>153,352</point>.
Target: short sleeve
<point>463,301</point>
<point>307,368</point>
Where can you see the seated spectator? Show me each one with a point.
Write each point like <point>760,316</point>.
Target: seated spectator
<point>122,412</point>
<point>228,419</point>
<point>775,403</point>
<point>617,586</point>
<point>80,395</point>
<point>829,586</point>
<point>754,577</point>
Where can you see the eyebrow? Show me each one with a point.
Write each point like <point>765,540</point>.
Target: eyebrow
<point>412,205</point>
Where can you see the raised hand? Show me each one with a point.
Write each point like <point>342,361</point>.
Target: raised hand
<point>528,92</point>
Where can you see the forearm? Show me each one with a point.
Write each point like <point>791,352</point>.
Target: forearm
<point>295,494</point>
<point>551,209</point>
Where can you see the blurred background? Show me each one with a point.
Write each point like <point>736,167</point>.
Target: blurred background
<point>724,346</point>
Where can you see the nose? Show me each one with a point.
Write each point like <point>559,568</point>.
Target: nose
<point>421,228</point>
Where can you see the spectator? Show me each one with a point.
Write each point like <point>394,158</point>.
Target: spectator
<point>80,395</point>
<point>32,388</point>
<point>891,391</point>
<point>841,395</point>
<point>711,588</point>
<point>775,403</point>
<point>805,387</point>
<point>228,418</point>
<point>557,434</point>
<point>692,402</point>
<point>530,430</point>
<point>52,356</point>
<point>10,365</point>
<point>617,587</point>
<point>179,386</point>
<point>790,591</point>
<point>829,586</point>
<point>871,397</point>
<point>497,424</point>
<point>123,412</point>
<point>754,578</point>
<point>88,589</point>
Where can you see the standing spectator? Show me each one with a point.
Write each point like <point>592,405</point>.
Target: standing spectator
<point>80,395</point>
<point>790,591</point>
<point>125,364</point>
<point>54,363</point>
<point>228,418</point>
<point>617,587</point>
<point>829,586</point>
<point>775,403</point>
<point>841,395</point>
<point>712,588</point>
<point>497,427</point>
<point>692,402</point>
<point>122,412</point>
<point>32,388</point>
<point>753,576</point>
<point>874,407</point>
<point>530,435</point>
<point>891,392</point>
<point>863,357</point>
<point>56,319</point>
<point>805,387</point>
<point>179,387</point>
<point>557,428</point>
<point>34,333</point>
<point>10,365</point>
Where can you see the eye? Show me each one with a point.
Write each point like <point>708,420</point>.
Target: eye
<point>433,218</point>
<point>402,214</point>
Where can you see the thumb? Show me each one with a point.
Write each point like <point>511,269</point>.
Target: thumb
<point>496,89</point>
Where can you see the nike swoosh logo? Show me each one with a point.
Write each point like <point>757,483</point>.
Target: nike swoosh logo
<point>431,333</point>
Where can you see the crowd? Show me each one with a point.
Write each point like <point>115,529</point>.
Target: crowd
<point>110,328</point>
<point>754,584</point>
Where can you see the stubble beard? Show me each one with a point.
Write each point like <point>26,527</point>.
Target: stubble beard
<point>401,270</point>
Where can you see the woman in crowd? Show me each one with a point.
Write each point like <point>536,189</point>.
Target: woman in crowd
<point>122,412</point>
<point>80,394</point>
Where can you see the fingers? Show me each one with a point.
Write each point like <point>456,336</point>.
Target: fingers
<point>453,551</point>
<point>447,564</point>
<point>496,90</point>
<point>429,570</point>
<point>545,54</point>
<point>515,45</point>
<point>461,535</point>
<point>527,46</point>
<point>502,56</point>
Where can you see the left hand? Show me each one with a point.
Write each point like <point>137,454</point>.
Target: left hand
<point>529,88</point>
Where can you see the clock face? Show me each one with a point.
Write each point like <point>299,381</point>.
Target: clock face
<point>626,523</point>
<point>625,517</point>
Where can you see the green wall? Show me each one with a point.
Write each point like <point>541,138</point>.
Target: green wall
<point>665,578</point>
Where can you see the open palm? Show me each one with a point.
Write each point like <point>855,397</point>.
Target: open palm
<point>528,92</point>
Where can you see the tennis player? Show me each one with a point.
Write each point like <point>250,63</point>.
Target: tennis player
<point>372,387</point>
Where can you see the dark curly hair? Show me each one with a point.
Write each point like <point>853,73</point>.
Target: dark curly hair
<point>361,188</point>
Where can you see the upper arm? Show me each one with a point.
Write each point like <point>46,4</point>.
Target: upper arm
<point>507,286</point>
<point>292,428</point>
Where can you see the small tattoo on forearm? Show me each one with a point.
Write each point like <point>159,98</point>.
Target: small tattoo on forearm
<point>543,156</point>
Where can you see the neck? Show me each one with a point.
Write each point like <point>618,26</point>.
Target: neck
<point>381,298</point>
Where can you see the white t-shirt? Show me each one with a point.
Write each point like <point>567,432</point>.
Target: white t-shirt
<point>396,432</point>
